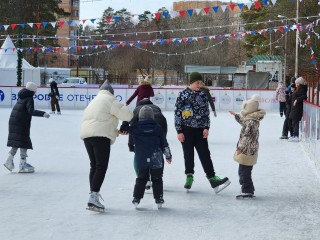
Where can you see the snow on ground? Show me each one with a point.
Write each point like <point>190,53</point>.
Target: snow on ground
<point>50,204</point>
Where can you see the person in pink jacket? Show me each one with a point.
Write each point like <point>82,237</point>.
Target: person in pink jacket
<point>144,90</point>
<point>281,98</point>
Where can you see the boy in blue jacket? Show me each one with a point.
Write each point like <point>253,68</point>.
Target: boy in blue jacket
<point>149,146</point>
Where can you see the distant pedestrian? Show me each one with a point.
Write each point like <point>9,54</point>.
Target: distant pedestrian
<point>192,122</point>
<point>19,128</point>
<point>54,97</point>
<point>287,124</point>
<point>206,90</point>
<point>144,90</point>
<point>248,145</point>
<point>296,111</point>
<point>99,131</point>
<point>281,98</point>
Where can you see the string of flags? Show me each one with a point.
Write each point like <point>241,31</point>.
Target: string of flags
<point>165,14</point>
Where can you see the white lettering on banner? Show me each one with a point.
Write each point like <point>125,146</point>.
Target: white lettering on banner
<point>119,98</point>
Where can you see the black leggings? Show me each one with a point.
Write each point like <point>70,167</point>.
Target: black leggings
<point>98,149</point>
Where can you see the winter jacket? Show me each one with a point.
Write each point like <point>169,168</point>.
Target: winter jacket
<point>143,91</point>
<point>207,92</point>
<point>281,93</point>
<point>248,143</point>
<point>300,94</point>
<point>20,120</point>
<point>54,91</point>
<point>101,116</point>
<point>192,110</point>
<point>150,144</point>
<point>158,117</point>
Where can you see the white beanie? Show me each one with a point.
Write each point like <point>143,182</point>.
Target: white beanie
<point>50,80</point>
<point>251,105</point>
<point>299,80</point>
<point>31,86</point>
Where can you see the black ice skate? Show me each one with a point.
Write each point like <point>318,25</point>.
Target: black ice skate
<point>136,202</point>
<point>159,202</point>
<point>245,196</point>
<point>219,184</point>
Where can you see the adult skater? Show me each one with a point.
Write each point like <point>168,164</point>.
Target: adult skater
<point>19,128</point>
<point>144,90</point>
<point>248,145</point>
<point>99,131</point>
<point>192,122</point>
<point>281,98</point>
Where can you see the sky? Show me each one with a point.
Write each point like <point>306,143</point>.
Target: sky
<point>50,203</point>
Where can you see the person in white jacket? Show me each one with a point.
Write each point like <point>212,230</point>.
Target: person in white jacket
<point>99,131</point>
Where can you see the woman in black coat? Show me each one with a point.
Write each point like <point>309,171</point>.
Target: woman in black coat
<point>296,111</point>
<point>19,127</point>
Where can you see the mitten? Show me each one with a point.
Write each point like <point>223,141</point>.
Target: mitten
<point>46,115</point>
<point>124,127</point>
<point>214,113</point>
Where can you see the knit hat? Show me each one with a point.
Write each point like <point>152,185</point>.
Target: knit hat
<point>50,80</point>
<point>293,85</point>
<point>195,76</point>
<point>31,86</point>
<point>107,86</point>
<point>251,105</point>
<point>146,112</point>
<point>299,80</point>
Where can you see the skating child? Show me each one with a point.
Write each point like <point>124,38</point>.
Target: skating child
<point>19,128</point>
<point>149,145</point>
<point>144,90</point>
<point>247,148</point>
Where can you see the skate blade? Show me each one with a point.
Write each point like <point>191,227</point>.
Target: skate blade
<point>242,197</point>
<point>136,205</point>
<point>159,205</point>
<point>26,171</point>
<point>221,187</point>
<point>95,209</point>
<point>8,167</point>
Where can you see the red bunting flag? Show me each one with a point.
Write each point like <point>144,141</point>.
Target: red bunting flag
<point>206,10</point>
<point>157,14</point>
<point>38,25</point>
<point>61,23</point>
<point>182,13</point>
<point>168,40</point>
<point>84,20</point>
<point>13,26</point>
<point>257,4</point>
<point>232,5</point>
<point>78,48</point>
<point>108,19</point>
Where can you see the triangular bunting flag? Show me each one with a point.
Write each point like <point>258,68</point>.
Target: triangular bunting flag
<point>38,25</point>
<point>53,24</point>
<point>70,22</point>
<point>198,10</point>
<point>240,5</point>
<point>206,10</point>
<point>173,14</point>
<point>257,4</point>
<point>232,5</point>
<point>44,24</point>
<point>22,25</point>
<point>182,13</point>
<point>249,5</point>
<point>223,8</point>
<point>108,19</point>
<point>166,14</point>
<point>215,9</point>
<point>6,27</point>
<point>190,12</point>
<point>274,2</point>
<point>13,26</point>
<point>265,2</point>
<point>61,23</point>
<point>157,14</point>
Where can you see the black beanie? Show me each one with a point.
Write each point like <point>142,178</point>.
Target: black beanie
<point>195,76</point>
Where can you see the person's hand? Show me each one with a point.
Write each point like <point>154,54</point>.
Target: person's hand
<point>169,160</point>
<point>181,137</point>
<point>205,133</point>
<point>131,147</point>
<point>46,115</point>
<point>214,113</point>
<point>232,113</point>
<point>57,97</point>
<point>295,102</point>
<point>238,152</point>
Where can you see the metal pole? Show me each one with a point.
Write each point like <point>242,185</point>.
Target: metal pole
<point>285,55</point>
<point>296,70</point>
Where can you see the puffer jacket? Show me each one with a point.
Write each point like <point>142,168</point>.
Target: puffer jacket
<point>20,120</point>
<point>145,90</point>
<point>101,117</point>
<point>248,143</point>
<point>281,93</point>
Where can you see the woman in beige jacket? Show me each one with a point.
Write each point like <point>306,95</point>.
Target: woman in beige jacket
<point>99,131</point>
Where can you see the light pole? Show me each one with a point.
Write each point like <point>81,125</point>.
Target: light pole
<point>297,42</point>
<point>285,50</point>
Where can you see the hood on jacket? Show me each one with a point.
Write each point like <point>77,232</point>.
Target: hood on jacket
<point>25,93</point>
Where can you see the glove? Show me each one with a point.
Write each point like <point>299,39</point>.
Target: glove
<point>46,115</point>
<point>131,148</point>
<point>167,153</point>
<point>214,113</point>
<point>124,127</point>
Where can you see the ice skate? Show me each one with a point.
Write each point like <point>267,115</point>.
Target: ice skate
<point>59,113</point>
<point>25,167</point>
<point>189,182</point>
<point>136,202</point>
<point>94,203</point>
<point>9,163</point>
<point>245,196</point>
<point>293,139</point>
<point>219,184</point>
<point>53,112</point>
<point>159,202</point>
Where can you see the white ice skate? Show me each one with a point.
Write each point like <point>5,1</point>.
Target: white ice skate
<point>26,168</point>
<point>94,203</point>
<point>9,163</point>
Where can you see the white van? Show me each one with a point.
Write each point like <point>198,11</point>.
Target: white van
<point>73,81</point>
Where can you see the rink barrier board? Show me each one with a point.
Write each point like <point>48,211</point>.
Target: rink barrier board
<point>165,98</point>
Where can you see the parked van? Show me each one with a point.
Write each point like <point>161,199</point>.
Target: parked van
<point>73,81</point>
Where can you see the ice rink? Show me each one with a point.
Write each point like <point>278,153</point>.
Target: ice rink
<point>50,204</point>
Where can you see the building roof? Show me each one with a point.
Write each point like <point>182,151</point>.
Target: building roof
<point>256,58</point>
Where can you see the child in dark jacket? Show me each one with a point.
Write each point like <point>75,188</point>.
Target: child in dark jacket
<point>149,144</point>
<point>19,128</point>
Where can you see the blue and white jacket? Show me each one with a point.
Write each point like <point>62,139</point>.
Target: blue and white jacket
<point>192,110</point>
